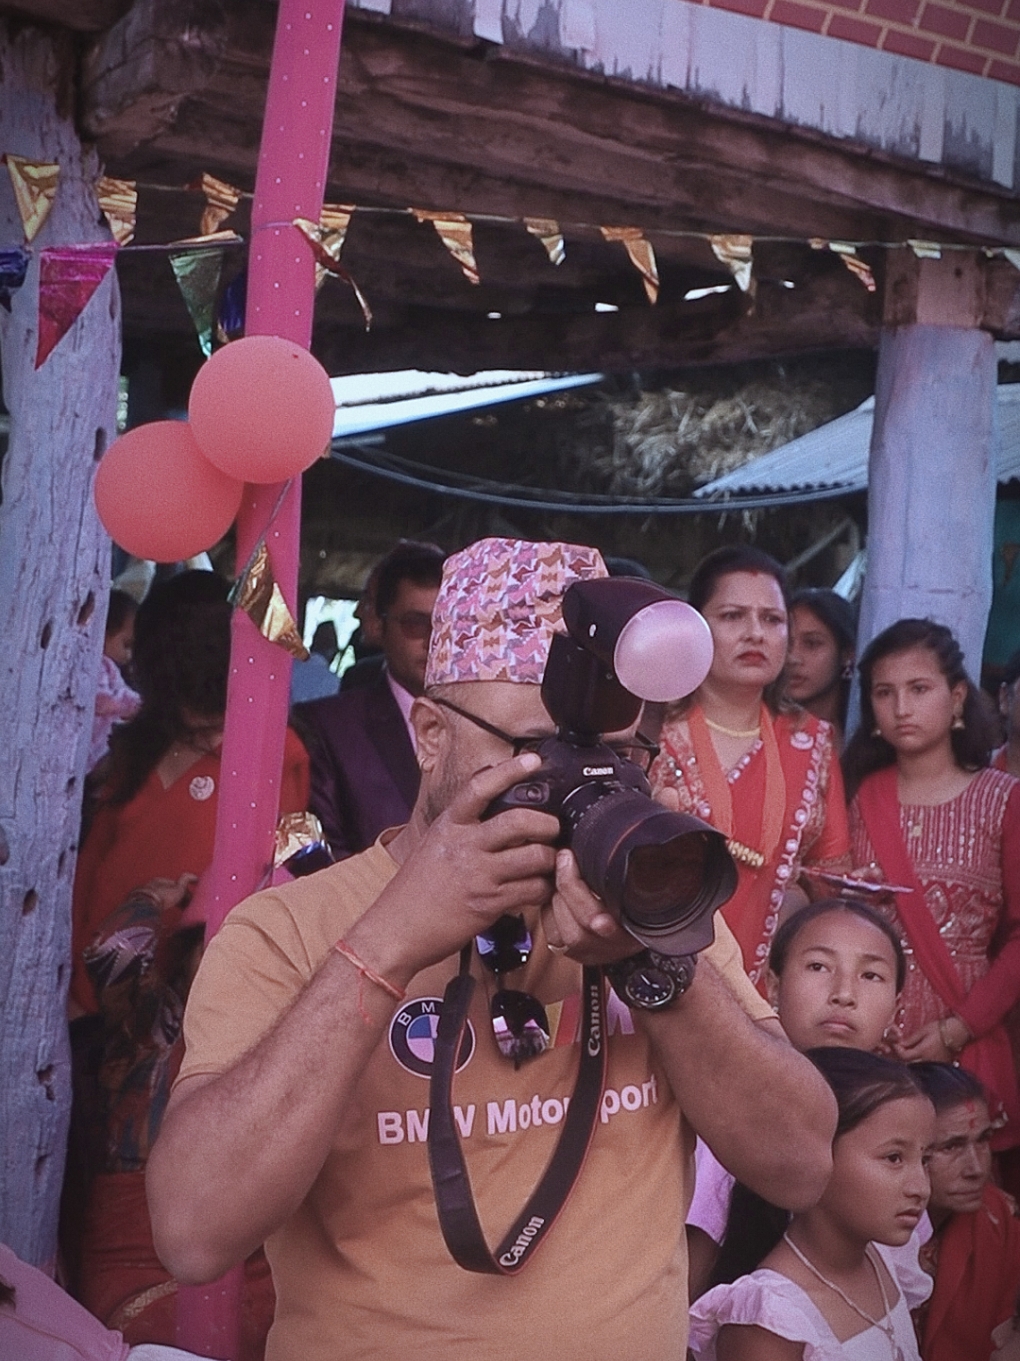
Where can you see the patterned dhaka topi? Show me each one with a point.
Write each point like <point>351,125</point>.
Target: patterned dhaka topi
<point>499,606</point>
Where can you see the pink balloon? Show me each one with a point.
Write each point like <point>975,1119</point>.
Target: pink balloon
<point>262,409</point>
<point>159,498</point>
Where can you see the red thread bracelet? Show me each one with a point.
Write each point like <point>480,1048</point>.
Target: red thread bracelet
<point>342,948</point>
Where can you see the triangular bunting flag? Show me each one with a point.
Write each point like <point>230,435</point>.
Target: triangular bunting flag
<point>925,250</point>
<point>230,314</point>
<point>547,229</point>
<point>220,201</point>
<point>329,264</point>
<point>68,276</point>
<point>198,277</point>
<point>330,232</point>
<point>118,200</point>
<point>848,254</point>
<point>35,188</point>
<point>13,266</point>
<point>256,593</point>
<point>735,253</point>
<point>455,233</point>
<point>642,257</point>
<point>1013,256</point>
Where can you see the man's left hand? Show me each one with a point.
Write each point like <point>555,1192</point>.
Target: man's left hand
<point>579,923</point>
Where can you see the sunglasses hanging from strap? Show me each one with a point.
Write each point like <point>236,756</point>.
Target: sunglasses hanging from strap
<point>458,1218</point>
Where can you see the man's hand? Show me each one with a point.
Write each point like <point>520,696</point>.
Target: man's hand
<point>461,877</point>
<point>928,1044</point>
<point>578,923</point>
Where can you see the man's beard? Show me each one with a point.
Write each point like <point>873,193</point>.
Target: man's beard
<point>443,788</point>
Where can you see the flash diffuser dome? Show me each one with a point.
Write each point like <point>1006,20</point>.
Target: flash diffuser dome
<point>663,652</point>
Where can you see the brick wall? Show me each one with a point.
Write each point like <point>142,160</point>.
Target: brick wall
<point>979,36</point>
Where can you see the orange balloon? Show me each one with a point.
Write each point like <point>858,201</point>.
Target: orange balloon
<point>159,498</point>
<point>262,409</point>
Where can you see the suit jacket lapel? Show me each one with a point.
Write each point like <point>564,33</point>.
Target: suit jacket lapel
<point>388,734</point>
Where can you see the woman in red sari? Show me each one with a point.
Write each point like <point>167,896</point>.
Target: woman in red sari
<point>974,1253</point>
<point>931,818</point>
<point>763,773</point>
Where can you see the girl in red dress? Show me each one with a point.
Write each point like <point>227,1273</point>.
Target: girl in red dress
<point>930,817</point>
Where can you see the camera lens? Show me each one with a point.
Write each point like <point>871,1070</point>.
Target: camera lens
<point>665,873</point>
<point>660,877</point>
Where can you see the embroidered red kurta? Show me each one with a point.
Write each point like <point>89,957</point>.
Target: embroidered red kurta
<point>814,819</point>
<point>966,853</point>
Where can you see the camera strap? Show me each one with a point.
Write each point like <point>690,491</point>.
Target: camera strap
<point>455,1202</point>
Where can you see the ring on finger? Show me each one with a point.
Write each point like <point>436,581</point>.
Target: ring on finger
<point>556,949</point>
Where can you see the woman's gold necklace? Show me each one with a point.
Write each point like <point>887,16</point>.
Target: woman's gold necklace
<point>733,732</point>
<point>882,1323</point>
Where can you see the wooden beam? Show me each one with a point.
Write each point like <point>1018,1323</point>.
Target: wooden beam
<point>137,74</point>
<point>85,16</point>
<point>429,120</point>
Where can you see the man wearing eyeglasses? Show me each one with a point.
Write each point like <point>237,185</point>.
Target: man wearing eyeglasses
<point>301,1116</point>
<point>363,769</point>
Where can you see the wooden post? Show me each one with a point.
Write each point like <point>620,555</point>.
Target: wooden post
<point>931,491</point>
<point>54,576</point>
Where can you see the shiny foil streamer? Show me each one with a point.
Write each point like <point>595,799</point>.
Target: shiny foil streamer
<point>642,256</point>
<point>258,595</point>
<point>13,267</point>
<point>294,832</point>
<point>454,231</point>
<point>848,254</point>
<point>220,201</point>
<point>330,232</point>
<point>198,277</point>
<point>35,188</point>
<point>118,200</point>
<point>329,264</point>
<point>547,229</point>
<point>68,277</point>
<point>230,315</point>
<point>735,253</point>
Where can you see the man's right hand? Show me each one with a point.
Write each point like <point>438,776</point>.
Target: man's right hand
<point>462,876</point>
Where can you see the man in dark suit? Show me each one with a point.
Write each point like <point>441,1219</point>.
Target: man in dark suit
<point>364,769</point>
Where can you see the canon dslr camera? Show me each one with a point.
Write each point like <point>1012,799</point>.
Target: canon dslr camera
<point>663,873</point>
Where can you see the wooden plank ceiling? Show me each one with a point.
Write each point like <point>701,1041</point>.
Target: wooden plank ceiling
<point>171,89</point>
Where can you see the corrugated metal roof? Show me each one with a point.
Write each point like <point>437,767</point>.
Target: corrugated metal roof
<point>836,456</point>
<point>376,401</point>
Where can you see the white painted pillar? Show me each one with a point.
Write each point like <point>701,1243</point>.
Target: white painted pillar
<point>54,578</point>
<point>931,485</point>
<point>931,488</point>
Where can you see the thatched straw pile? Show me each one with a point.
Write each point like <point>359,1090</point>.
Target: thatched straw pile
<point>666,440</point>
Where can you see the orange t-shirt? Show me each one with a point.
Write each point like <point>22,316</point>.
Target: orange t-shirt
<point>361,1269</point>
<point>161,833</point>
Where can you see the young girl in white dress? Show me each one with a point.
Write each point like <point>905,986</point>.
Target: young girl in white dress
<point>836,971</point>
<point>829,1290</point>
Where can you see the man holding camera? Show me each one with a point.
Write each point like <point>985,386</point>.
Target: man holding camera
<point>301,1115</point>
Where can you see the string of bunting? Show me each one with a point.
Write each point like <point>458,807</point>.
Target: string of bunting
<point>69,275</point>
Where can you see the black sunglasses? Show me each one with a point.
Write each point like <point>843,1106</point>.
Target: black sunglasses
<point>519,1021</point>
<point>639,750</point>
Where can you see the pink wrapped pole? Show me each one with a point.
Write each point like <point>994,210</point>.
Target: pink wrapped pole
<point>291,179</point>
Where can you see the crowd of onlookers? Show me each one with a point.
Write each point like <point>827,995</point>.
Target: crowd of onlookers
<point>877,908</point>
